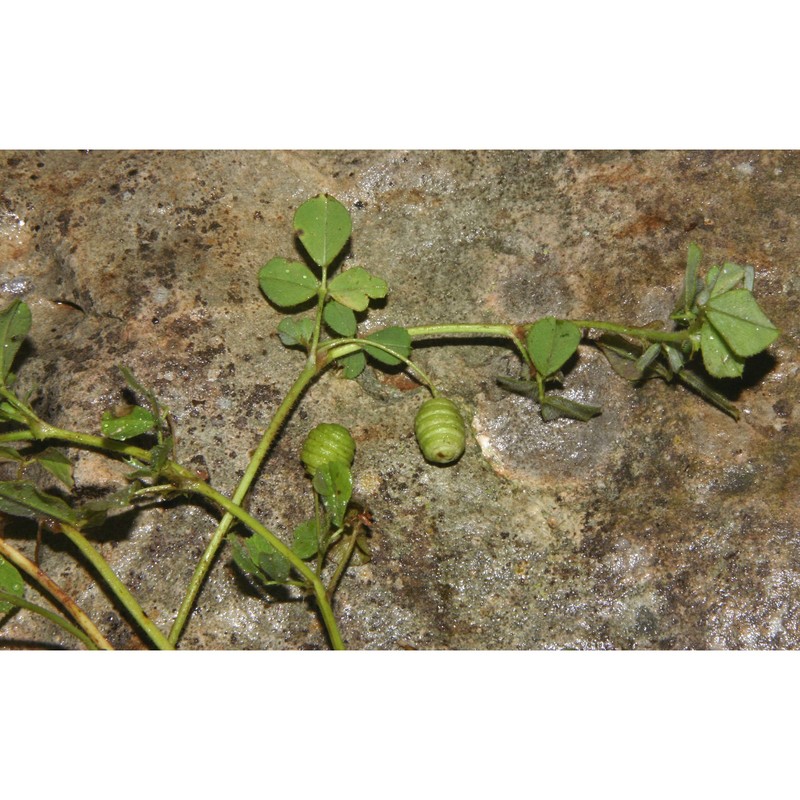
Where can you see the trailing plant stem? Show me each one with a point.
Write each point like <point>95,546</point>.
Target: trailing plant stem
<point>119,589</point>
<point>20,561</point>
<point>649,334</point>
<point>259,454</point>
<point>186,480</point>
<point>57,619</point>
<point>472,329</point>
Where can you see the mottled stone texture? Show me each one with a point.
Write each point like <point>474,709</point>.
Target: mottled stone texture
<point>660,524</point>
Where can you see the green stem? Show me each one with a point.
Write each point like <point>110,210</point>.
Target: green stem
<point>43,430</point>
<point>204,564</point>
<point>187,480</point>
<point>343,347</point>
<point>649,334</point>
<point>52,616</point>
<point>342,565</point>
<point>38,575</point>
<point>17,436</point>
<point>120,591</point>
<point>473,329</point>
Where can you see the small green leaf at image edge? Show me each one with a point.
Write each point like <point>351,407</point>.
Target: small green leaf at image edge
<point>10,582</point>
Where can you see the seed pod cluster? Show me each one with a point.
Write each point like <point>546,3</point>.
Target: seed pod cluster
<point>439,429</point>
<point>325,443</point>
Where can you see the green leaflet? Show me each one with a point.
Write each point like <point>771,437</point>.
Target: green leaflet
<point>287,283</point>
<point>136,422</point>
<point>740,322</point>
<point>554,406</point>
<point>334,484</point>
<point>551,343</point>
<point>323,225</point>
<point>296,332</point>
<point>11,583</point>
<point>353,365</point>
<point>718,358</point>
<point>340,319</point>
<point>15,322</point>
<point>355,287</point>
<point>689,290</point>
<point>23,499</point>
<point>396,339</point>
<point>257,557</point>
<point>726,279</point>
<point>55,462</point>
<point>306,539</point>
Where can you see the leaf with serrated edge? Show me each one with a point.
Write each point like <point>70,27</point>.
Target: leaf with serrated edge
<point>334,484</point>
<point>323,225</point>
<point>738,319</point>
<point>287,283</point>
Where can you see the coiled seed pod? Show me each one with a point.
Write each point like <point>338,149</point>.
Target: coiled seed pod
<point>440,430</point>
<point>326,443</point>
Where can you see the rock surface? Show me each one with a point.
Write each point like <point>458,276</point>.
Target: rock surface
<point>661,524</point>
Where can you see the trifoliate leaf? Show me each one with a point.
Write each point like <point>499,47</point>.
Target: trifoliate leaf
<point>287,283</point>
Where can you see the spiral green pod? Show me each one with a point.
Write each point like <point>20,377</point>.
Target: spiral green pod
<point>440,430</point>
<point>326,443</point>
